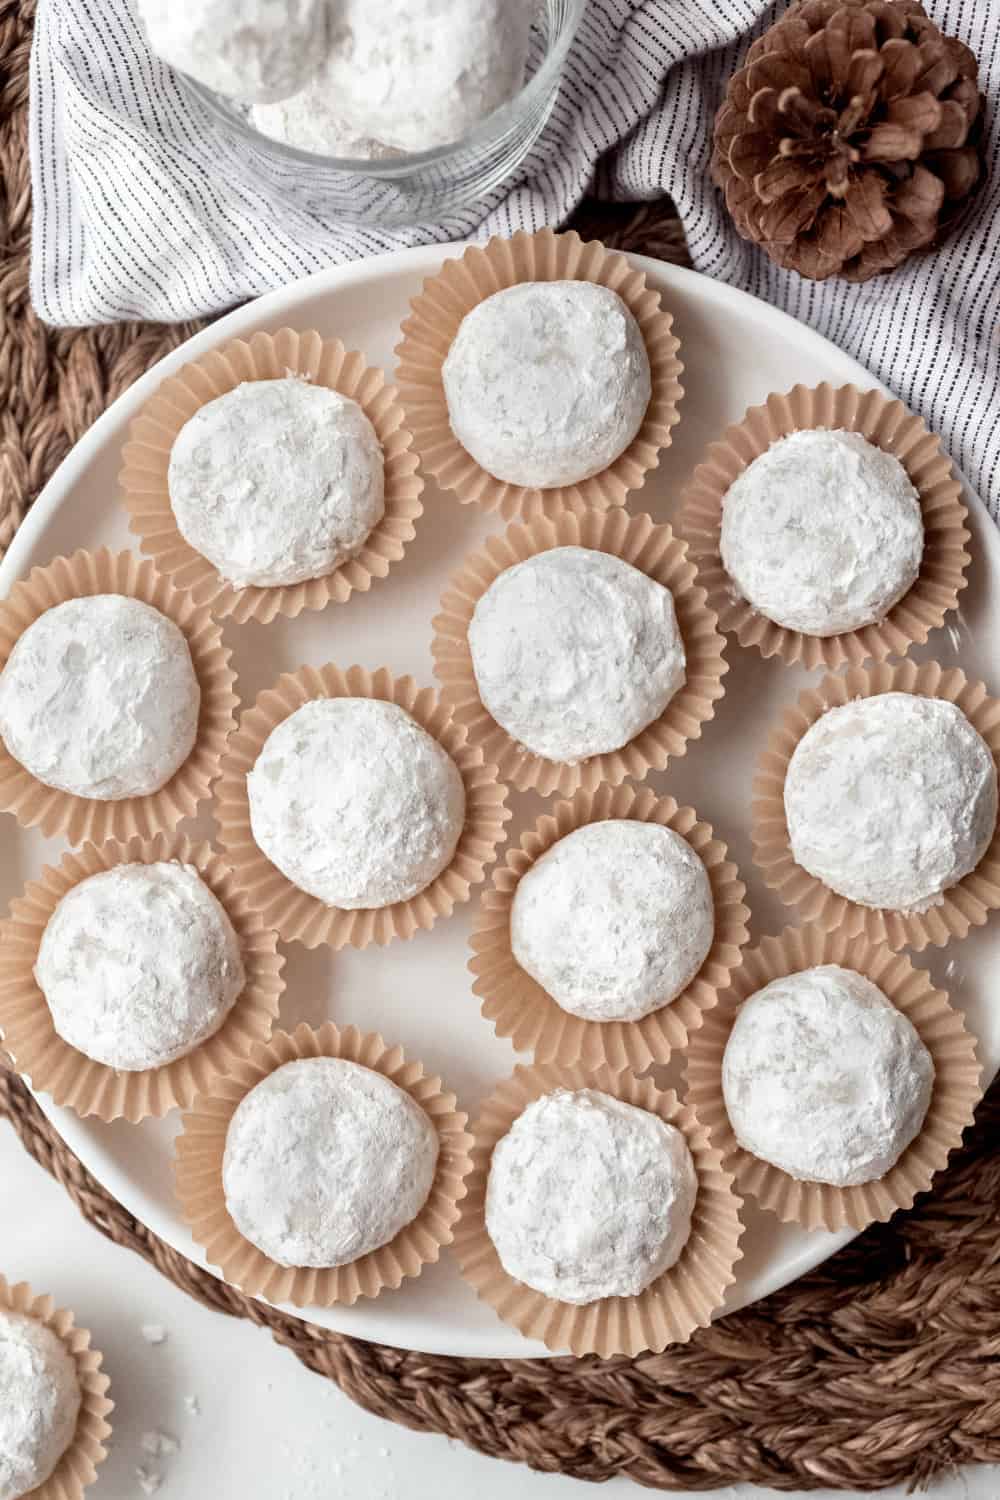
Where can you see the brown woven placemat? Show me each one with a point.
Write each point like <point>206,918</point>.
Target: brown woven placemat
<point>883,1366</point>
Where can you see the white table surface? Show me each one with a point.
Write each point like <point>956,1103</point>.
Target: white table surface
<point>267,1429</point>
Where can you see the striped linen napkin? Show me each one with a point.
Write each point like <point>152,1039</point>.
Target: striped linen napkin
<point>132,221</point>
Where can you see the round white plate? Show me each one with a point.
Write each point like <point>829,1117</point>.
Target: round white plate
<point>735,350</point>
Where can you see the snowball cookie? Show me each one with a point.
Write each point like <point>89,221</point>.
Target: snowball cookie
<point>891,800</point>
<point>823,533</point>
<point>39,1403</point>
<point>99,698</point>
<point>547,382</point>
<point>139,965</point>
<point>615,920</point>
<point>825,1078</point>
<point>355,803</point>
<point>246,49</point>
<point>277,481</point>
<point>325,1161</point>
<point>575,652</point>
<point>416,74</point>
<point>588,1197</point>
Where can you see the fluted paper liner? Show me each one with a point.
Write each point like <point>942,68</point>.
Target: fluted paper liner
<point>198,1170</point>
<point>817,1205</point>
<point>92,1088</point>
<point>429,331</point>
<point>79,818</point>
<point>77,1469</point>
<point>888,425</point>
<point>295,914</point>
<point>655,551</point>
<point>965,905</point>
<point>667,1312</point>
<point>324,362</point>
<point>519,1008</point>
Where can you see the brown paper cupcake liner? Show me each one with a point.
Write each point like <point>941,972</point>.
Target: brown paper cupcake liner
<point>77,1469</point>
<point>77,818</point>
<point>302,918</point>
<point>198,1171</point>
<point>461,285</point>
<point>519,1008</point>
<point>92,1088</point>
<point>655,551</point>
<point>888,425</point>
<point>817,1205</point>
<point>668,1312</point>
<point>965,905</point>
<point>324,362</point>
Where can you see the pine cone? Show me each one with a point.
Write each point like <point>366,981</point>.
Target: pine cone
<point>850,137</point>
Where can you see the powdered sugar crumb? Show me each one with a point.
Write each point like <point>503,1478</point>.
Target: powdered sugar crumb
<point>154,1333</point>
<point>159,1444</point>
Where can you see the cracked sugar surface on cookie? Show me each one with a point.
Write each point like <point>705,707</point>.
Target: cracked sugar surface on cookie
<point>547,382</point>
<point>99,698</point>
<point>824,1078</point>
<point>575,652</point>
<point>589,1197</point>
<point>325,1161</point>
<point>615,920</point>
<point>823,533</point>
<point>355,803</point>
<point>891,800</point>
<point>277,482</point>
<point>139,965</point>
<point>245,49</point>
<point>39,1403</point>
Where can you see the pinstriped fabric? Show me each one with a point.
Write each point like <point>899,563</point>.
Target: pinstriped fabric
<point>138,214</point>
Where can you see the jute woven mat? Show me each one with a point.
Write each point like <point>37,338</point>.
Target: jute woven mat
<point>882,1367</point>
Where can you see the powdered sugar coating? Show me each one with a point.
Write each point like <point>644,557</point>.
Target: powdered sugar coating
<point>99,698</point>
<point>139,965</point>
<point>39,1403</point>
<point>614,920</point>
<point>589,1197</point>
<point>415,74</point>
<point>245,49</point>
<point>277,481</point>
<point>547,382</point>
<point>575,652</point>
<point>325,1161</point>
<point>891,800</point>
<point>311,121</point>
<point>823,533</point>
<point>825,1078</point>
<point>355,803</point>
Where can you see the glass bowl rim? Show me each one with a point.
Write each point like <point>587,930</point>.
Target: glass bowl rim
<point>400,164</point>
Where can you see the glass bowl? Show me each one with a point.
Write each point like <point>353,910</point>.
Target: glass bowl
<point>404,187</point>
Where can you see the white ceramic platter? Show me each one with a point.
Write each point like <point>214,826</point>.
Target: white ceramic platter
<point>735,350</point>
